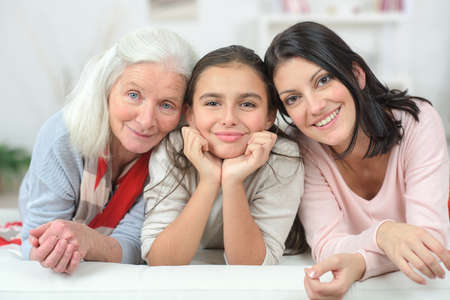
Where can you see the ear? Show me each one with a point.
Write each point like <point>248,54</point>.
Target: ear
<point>188,114</point>
<point>360,75</point>
<point>270,119</point>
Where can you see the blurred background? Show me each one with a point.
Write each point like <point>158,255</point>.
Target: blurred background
<point>46,43</point>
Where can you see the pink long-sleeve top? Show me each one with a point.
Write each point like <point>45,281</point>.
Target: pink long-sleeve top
<point>415,191</point>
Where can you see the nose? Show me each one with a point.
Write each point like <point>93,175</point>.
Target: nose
<point>315,103</point>
<point>146,115</point>
<point>229,117</point>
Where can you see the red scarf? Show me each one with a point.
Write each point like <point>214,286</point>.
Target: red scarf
<point>130,187</point>
<point>94,208</point>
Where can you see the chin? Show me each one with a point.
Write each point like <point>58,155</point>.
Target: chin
<point>224,154</point>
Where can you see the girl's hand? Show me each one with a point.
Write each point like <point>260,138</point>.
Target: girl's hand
<point>407,245</point>
<point>346,268</point>
<point>196,150</point>
<point>256,154</point>
<point>59,245</point>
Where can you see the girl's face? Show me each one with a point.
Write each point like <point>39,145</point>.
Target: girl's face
<point>145,103</point>
<point>229,104</point>
<point>318,104</point>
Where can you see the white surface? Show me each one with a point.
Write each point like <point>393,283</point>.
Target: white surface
<point>23,279</point>
<point>206,278</point>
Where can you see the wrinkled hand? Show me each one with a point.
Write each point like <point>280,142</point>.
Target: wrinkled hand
<point>408,245</point>
<point>346,269</point>
<point>256,154</point>
<point>59,245</point>
<point>196,150</point>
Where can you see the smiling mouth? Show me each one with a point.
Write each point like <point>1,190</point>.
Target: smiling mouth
<point>229,137</point>
<point>328,119</point>
<point>139,134</point>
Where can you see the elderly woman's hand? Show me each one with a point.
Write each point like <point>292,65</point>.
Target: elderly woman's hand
<point>408,245</point>
<point>60,245</point>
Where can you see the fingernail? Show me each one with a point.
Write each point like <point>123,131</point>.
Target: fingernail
<point>312,274</point>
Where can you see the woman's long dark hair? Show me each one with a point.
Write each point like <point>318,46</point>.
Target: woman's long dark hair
<point>373,104</point>
<point>296,241</point>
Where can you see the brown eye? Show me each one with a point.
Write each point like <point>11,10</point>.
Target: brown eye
<point>324,80</point>
<point>291,99</point>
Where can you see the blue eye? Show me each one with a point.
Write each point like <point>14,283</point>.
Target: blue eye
<point>166,105</point>
<point>133,95</point>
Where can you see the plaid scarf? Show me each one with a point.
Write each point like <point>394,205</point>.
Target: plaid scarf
<point>100,206</point>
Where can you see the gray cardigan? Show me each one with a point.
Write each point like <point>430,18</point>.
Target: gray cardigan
<point>51,190</point>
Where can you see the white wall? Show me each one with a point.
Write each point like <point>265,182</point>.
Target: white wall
<point>46,43</point>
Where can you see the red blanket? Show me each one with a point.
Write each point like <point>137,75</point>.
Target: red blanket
<point>10,233</point>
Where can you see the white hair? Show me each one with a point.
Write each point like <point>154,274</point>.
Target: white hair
<point>86,112</point>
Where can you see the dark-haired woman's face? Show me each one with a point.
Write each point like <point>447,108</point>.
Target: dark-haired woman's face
<point>319,105</point>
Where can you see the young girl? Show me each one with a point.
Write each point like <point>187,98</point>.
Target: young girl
<point>376,164</point>
<point>236,186</point>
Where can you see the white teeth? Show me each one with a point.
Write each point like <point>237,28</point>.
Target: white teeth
<point>328,119</point>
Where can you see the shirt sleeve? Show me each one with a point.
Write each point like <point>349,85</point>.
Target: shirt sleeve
<point>165,199</point>
<point>275,204</point>
<point>50,187</point>
<point>426,167</point>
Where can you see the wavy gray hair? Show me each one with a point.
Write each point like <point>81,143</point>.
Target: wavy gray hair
<point>86,112</point>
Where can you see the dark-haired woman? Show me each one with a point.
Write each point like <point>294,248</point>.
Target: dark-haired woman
<point>376,164</point>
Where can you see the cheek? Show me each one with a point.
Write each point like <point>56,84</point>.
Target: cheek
<point>297,116</point>
<point>120,111</point>
<point>255,122</point>
<point>168,122</point>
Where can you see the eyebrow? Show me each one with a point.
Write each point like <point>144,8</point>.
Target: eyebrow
<point>311,79</point>
<point>211,95</point>
<point>250,95</point>
<point>132,84</point>
<point>241,96</point>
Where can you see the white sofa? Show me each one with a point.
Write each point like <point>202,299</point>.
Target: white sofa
<point>206,278</point>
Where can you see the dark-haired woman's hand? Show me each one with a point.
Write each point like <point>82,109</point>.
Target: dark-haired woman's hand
<point>410,246</point>
<point>346,269</point>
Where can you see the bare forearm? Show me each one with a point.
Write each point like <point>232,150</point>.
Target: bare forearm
<point>177,244</point>
<point>244,243</point>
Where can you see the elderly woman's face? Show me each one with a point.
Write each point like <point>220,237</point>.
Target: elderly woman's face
<point>145,104</point>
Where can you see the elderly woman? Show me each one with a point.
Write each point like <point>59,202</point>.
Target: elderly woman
<point>82,199</point>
